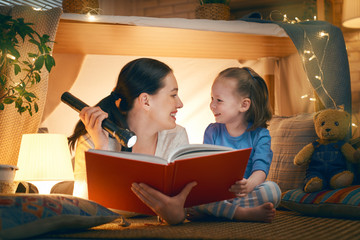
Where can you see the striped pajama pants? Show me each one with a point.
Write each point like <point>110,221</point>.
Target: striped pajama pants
<point>268,191</point>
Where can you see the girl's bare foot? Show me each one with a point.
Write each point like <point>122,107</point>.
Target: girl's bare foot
<point>262,213</point>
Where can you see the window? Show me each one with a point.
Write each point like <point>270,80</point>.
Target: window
<point>43,4</point>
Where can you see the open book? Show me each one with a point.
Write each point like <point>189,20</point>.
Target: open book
<point>214,168</point>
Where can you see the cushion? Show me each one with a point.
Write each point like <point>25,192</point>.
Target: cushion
<point>29,215</point>
<point>342,203</point>
<point>288,136</point>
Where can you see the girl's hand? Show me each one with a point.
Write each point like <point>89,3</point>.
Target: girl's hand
<point>171,209</point>
<point>240,188</point>
<point>92,118</point>
<point>243,187</point>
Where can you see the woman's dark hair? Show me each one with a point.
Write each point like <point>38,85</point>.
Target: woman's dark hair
<point>143,75</point>
<point>251,85</point>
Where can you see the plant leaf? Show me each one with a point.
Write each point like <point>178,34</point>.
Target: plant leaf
<point>49,62</point>
<point>39,62</point>
<point>33,55</point>
<point>37,77</point>
<point>8,100</point>
<point>18,102</point>
<point>17,69</point>
<point>36,107</point>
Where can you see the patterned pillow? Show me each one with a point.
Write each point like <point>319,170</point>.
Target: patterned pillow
<point>29,215</point>
<point>343,202</point>
<point>288,136</point>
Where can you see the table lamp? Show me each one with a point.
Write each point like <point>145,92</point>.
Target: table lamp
<point>44,160</point>
<point>351,13</point>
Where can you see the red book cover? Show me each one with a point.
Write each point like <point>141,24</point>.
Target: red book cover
<point>214,168</point>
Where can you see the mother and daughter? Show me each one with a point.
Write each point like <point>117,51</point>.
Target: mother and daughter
<point>145,100</point>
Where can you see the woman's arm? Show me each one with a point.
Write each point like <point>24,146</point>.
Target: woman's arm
<point>92,118</point>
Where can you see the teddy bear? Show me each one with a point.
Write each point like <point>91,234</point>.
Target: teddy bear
<point>326,158</point>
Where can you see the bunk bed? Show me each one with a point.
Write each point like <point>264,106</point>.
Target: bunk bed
<point>81,46</point>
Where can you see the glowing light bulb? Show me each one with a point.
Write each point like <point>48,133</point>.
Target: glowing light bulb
<point>318,77</point>
<point>285,18</point>
<point>323,34</point>
<point>10,56</point>
<point>90,17</point>
<point>312,57</point>
<point>304,96</point>
<point>312,99</point>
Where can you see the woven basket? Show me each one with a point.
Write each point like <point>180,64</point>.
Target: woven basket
<point>79,6</point>
<point>214,11</point>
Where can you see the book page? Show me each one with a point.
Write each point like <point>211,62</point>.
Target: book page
<point>133,156</point>
<point>194,150</point>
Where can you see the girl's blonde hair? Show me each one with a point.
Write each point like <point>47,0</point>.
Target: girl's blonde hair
<point>251,85</point>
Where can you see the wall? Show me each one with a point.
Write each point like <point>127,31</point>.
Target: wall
<point>352,41</point>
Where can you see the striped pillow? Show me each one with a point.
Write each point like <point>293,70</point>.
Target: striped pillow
<point>343,202</point>
<point>288,136</point>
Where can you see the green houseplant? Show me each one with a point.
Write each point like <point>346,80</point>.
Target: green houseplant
<point>19,73</point>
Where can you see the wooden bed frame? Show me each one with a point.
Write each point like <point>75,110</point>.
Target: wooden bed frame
<point>115,39</point>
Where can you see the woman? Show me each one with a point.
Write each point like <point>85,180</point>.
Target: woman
<point>145,100</point>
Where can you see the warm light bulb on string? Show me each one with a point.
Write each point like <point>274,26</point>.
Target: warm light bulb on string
<point>304,96</point>
<point>323,34</point>
<point>10,56</point>
<point>90,17</point>
<point>91,12</point>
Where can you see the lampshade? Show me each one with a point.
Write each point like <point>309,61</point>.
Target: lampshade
<point>351,13</point>
<point>44,159</point>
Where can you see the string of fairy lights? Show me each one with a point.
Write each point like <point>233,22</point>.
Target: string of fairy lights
<point>309,56</point>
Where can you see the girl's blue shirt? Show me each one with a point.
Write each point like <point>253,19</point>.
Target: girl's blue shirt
<point>259,140</point>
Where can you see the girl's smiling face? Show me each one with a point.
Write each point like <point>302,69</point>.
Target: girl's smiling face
<point>165,102</point>
<point>225,101</point>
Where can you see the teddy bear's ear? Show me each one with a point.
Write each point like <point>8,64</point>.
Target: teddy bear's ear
<point>317,114</point>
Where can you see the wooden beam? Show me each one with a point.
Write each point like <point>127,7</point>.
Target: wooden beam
<point>116,39</point>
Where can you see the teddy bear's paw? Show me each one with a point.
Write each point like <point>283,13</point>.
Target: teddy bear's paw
<point>313,185</point>
<point>342,179</point>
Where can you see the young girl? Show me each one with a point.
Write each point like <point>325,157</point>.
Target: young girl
<point>240,104</point>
